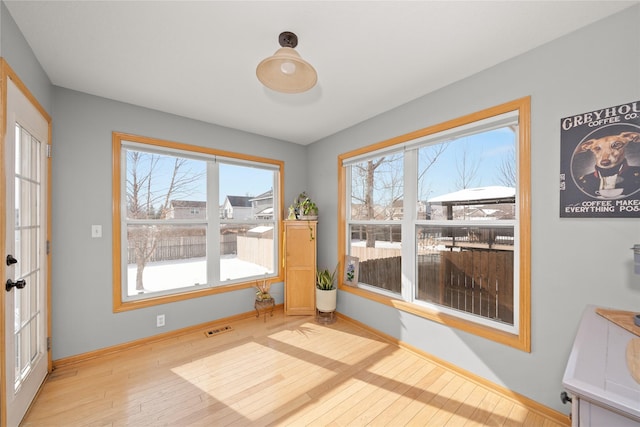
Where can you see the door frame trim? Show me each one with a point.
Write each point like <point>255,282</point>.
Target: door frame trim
<point>6,72</point>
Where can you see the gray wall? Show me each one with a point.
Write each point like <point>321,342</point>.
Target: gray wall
<point>16,51</point>
<point>575,262</point>
<point>82,277</point>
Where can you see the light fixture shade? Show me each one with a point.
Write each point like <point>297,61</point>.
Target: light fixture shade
<point>286,72</point>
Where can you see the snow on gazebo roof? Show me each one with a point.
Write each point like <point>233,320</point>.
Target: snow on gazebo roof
<point>492,194</point>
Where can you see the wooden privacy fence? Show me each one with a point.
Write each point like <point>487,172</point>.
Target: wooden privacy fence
<point>228,243</point>
<point>256,250</point>
<point>252,249</point>
<point>475,281</point>
<point>384,273</point>
<point>171,248</point>
<point>364,253</point>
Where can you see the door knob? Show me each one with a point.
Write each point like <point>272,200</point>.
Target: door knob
<point>11,260</point>
<point>18,284</point>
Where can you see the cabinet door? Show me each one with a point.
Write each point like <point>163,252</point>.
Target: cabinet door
<point>300,268</point>
<point>592,415</point>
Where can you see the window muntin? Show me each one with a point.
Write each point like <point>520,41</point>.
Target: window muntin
<point>469,184</point>
<point>174,241</point>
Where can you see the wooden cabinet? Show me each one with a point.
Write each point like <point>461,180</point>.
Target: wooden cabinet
<point>300,267</point>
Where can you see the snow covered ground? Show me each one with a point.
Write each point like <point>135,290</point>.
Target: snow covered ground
<point>379,244</point>
<point>164,275</point>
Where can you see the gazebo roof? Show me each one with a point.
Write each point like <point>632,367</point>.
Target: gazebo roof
<point>479,195</point>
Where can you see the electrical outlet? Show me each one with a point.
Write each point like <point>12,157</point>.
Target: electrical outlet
<point>160,320</point>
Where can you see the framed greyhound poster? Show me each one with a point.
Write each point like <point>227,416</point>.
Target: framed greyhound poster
<point>600,163</point>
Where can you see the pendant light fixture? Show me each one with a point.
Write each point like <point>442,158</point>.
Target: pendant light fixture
<point>286,71</point>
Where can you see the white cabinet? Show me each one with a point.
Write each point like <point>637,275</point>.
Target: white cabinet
<point>597,376</point>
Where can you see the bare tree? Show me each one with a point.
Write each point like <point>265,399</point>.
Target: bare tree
<point>467,169</point>
<point>428,156</point>
<point>377,186</point>
<point>507,170</point>
<point>376,197</point>
<point>149,199</point>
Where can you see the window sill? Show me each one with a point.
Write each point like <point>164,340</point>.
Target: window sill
<point>519,342</point>
<point>122,306</point>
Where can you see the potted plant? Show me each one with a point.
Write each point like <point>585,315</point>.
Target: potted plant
<point>304,208</point>
<point>262,290</point>
<point>326,292</point>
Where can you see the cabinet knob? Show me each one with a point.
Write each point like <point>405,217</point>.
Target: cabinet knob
<point>564,397</point>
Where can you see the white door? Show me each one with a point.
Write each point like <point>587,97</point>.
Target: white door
<point>26,356</point>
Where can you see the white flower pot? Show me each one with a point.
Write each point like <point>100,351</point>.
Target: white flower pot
<point>326,300</point>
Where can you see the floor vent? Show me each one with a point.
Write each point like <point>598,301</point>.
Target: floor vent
<point>218,331</point>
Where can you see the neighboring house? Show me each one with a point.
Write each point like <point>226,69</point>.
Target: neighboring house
<point>424,210</point>
<point>187,209</point>
<point>393,212</point>
<point>396,210</point>
<point>262,206</point>
<point>236,207</point>
<point>361,211</point>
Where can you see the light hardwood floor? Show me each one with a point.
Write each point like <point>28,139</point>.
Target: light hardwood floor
<point>287,371</point>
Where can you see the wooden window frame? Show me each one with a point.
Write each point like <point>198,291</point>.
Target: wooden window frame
<point>521,339</point>
<point>118,304</point>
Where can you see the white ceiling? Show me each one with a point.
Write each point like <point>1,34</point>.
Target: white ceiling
<point>197,59</point>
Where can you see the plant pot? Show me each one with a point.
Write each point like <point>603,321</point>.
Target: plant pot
<point>263,296</point>
<point>326,300</point>
<point>308,217</point>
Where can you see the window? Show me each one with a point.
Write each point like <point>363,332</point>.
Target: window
<point>190,221</point>
<point>439,220</point>
<point>375,228</point>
